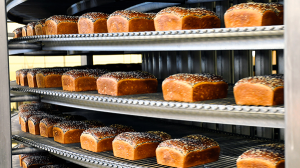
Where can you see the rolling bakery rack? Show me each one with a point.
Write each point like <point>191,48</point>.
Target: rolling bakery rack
<point>224,51</point>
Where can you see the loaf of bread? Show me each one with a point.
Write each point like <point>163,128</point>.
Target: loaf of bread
<point>23,77</point>
<point>93,22</point>
<point>254,14</point>
<point>130,21</point>
<point>37,161</point>
<point>47,78</point>
<point>31,29</point>
<point>164,136</point>
<point>100,139</point>
<point>17,32</point>
<point>67,132</point>
<point>31,77</point>
<point>260,90</point>
<point>40,27</point>
<point>61,24</point>
<point>179,18</point>
<point>135,145</point>
<point>47,123</point>
<point>18,76</point>
<point>34,123</point>
<point>266,156</point>
<point>194,87</point>
<point>25,116</point>
<point>126,83</point>
<point>188,151</point>
<point>81,79</point>
<point>24,31</point>
<point>36,107</point>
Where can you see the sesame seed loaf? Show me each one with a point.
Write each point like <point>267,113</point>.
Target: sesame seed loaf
<point>135,145</point>
<point>40,28</point>
<point>67,132</point>
<point>163,135</point>
<point>130,21</point>
<point>126,83</point>
<point>24,119</point>
<point>47,123</point>
<point>35,107</point>
<point>23,156</point>
<point>100,139</point>
<point>30,29</point>
<point>37,161</point>
<point>17,32</point>
<point>188,151</point>
<point>22,73</point>
<point>267,156</point>
<point>61,24</point>
<point>24,31</point>
<point>47,78</point>
<point>34,123</point>
<point>254,14</point>
<point>93,22</point>
<point>260,90</point>
<point>179,18</point>
<point>31,77</point>
<point>81,79</point>
<point>194,87</point>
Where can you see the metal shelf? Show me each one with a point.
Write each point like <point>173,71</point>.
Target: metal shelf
<point>231,145</point>
<point>251,38</point>
<point>223,111</point>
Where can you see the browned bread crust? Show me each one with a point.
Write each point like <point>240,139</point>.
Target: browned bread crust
<point>67,132</point>
<point>135,145</point>
<point>188,151</point>
<point>31,29</point>
<point>126,83</point>
<point>35,107</point>
<point>18,32</point>
<point>34,123</point>
<point>24,119</point>
<point>163,135</point>
<point>194,87</point>
<point>130,21</point>
<point>47,78</point>
<point>260,90</point>
<point>61,24</point>
<point>40,27</point>
<point>267,156</point>
<point>81,80</point>
<point>37,161</point>
<point>23,77</point>
<point>179,18</point>
<point>47,123</point>
<point>254,14</point>
<point>31,77</point>
<point>24,31</point>
<point>93,22</point>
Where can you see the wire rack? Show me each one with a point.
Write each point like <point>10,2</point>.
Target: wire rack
<point>231,145</point>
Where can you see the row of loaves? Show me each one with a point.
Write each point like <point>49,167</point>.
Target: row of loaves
<point>187,151</point>
<point>171,18</point>
<point>258,90</point>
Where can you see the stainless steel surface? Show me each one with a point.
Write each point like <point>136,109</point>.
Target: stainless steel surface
<point>26,150</point>
<point>5,124</point>
<point>268,37</point>
<point>280,61</point>
<point>291,85</point>
<point>223,111</point>
<point>231,145</point>
<point>24,98</point>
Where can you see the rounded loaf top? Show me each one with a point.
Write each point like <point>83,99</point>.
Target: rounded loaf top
<point>31,160</point>
<point>31,24</point>
<point>261,7</point>
<point>138,138</point>
<point>41,22</point>
<point>35,107</point>
<point>71,125</point>
<point>129,14</point>
<point>37,118</point>
<point>102,132</point>
<point>271,152</point>
<point>63,18</point>
<point>163,135</point>
<point>203,139</point>
<point>94,16</point>
<point>272,81</point>
<point>51,120</point>
<point>53,71</point>
<point>34,71</point>
<point>186,145</point>
<point>77,73</point>
<point>182,12</point>
<point>18,30</point>
<point>194,79</point>
<point>128,75</point>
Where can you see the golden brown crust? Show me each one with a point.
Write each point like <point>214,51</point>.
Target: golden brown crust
<point>260,90</point>
<point>31,77</point>
<point>35,107</point>
<point>93,22</point>
<point>34,122</point>
<point>254,14</point>
<point>194,87</point>
<point>126,83</point>
<point>31,29</point>
<point>269,156</point>
<point>179,18</point>
<point>23,77</point>
<point>37,161</point>
<point>24,119</point>
<point>24,31</point>
<point>40,27</point>
<point>47,78</point>
<point>163,135</point>
<point>17,32</point>
<point>47,123</point>
<point>130,21</point>
<point>61,24</point>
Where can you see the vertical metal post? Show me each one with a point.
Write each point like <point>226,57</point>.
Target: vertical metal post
<point>87,59</point>
<point>5,122</point>
<point>291,84</point>
<point>171,62</point>
<point>280,61</point>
